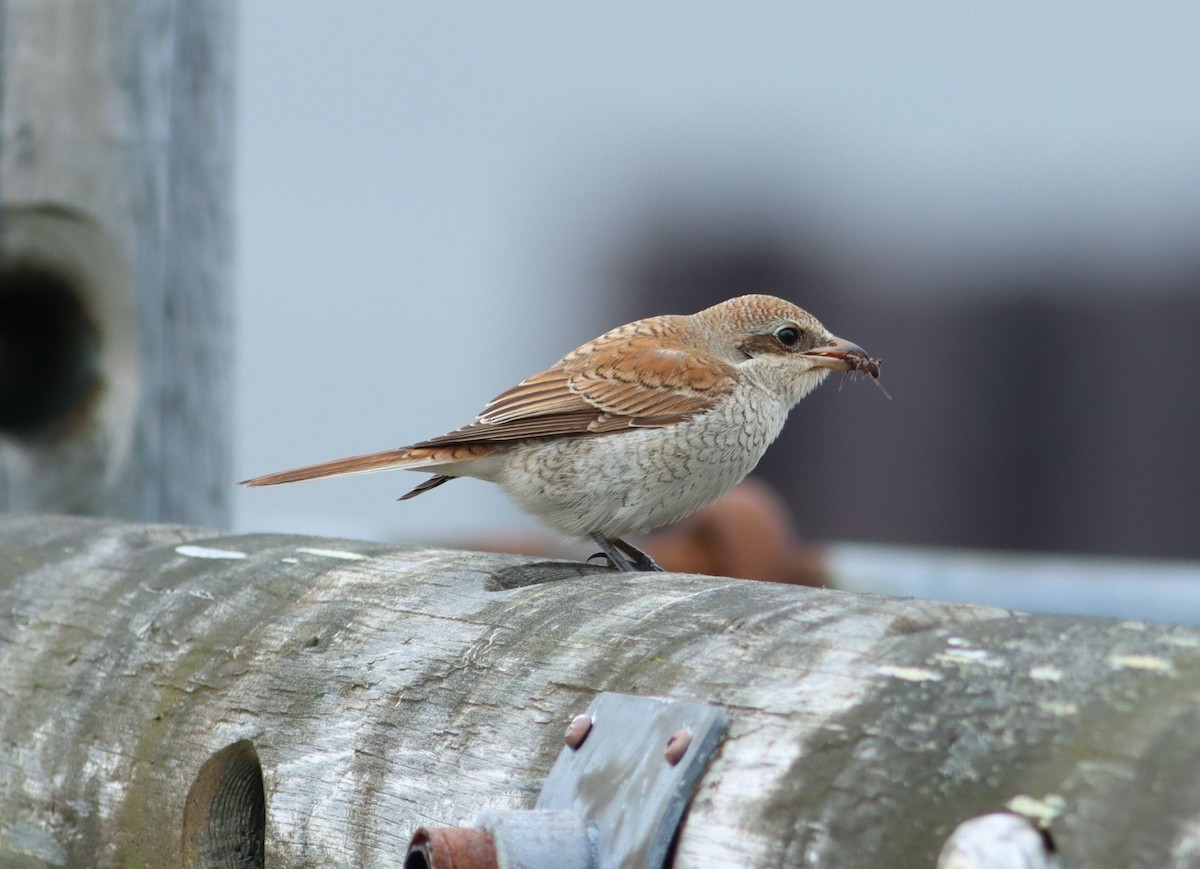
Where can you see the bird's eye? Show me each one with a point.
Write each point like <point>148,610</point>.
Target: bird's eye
<point>788,336</point>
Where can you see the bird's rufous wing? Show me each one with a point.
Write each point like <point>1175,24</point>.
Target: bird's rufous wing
<point>626,379</point>
<point>614,383</point>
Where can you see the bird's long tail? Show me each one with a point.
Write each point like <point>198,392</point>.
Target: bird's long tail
<point>364,464</point>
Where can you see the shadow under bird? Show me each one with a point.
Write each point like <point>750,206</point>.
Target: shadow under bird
<point>637,428</point>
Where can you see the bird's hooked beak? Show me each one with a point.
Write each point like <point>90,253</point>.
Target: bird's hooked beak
<point>842,355</point>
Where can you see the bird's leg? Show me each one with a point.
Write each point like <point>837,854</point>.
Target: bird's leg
<point>639,559</point>
<point>624,556</point>
<point>615,558</point>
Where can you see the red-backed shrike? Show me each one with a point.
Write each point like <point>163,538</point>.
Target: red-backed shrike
<point>636,429</point>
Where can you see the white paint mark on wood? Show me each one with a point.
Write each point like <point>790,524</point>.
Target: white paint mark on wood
<point>909,674</point>
<point>968,656</point>
<point>1046,673</point>
<point>1062,710</point>
<point>1152,663</point>
<point>1041,811</point>
<point>202,594</point>
<point>208,552</point>
<point>343,554</point>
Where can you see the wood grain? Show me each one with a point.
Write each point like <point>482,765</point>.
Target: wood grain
<point>116,155</point>
<point>383,689</point>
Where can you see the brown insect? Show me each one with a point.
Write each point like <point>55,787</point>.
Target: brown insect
<point>863,362</point>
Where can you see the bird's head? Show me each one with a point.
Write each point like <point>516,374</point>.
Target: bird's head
<point>779,346</point>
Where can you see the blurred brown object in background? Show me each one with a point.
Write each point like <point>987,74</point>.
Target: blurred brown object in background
<point>747,534</point>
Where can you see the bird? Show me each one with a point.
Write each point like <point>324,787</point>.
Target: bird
<point>635,429</point>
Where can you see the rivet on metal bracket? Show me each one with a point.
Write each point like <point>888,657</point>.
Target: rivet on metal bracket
<point>577,730</point>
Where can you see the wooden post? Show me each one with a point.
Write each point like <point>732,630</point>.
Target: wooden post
<point>171,698</point>
<point>115,297</point>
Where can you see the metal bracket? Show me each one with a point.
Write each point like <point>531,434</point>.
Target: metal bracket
<point>628,777</point>
<point>614,798</point>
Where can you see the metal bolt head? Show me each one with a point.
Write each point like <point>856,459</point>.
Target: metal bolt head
<point>677,746</point>
<point>578,730</point>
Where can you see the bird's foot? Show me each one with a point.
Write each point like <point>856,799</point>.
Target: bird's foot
<point>624,556</point>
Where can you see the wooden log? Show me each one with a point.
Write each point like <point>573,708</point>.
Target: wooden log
<point>115,277</point>
<point>172,696</point>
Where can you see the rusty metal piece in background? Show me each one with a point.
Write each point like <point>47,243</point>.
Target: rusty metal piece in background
<point>451,848</point>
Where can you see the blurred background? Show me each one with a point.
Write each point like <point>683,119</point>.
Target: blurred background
<point>1001,201</point>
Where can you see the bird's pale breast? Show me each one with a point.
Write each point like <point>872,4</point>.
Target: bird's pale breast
<point>638,480</point>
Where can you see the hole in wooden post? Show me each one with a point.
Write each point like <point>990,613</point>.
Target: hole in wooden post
<point>49,352</point>
<point>225,816</point>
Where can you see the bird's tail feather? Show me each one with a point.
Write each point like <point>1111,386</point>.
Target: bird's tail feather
<point>431,483</point>
<point>364,464</point>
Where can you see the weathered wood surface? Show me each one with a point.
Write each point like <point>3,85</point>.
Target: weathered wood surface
<point>115,156</point>
<point>382,689</point>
